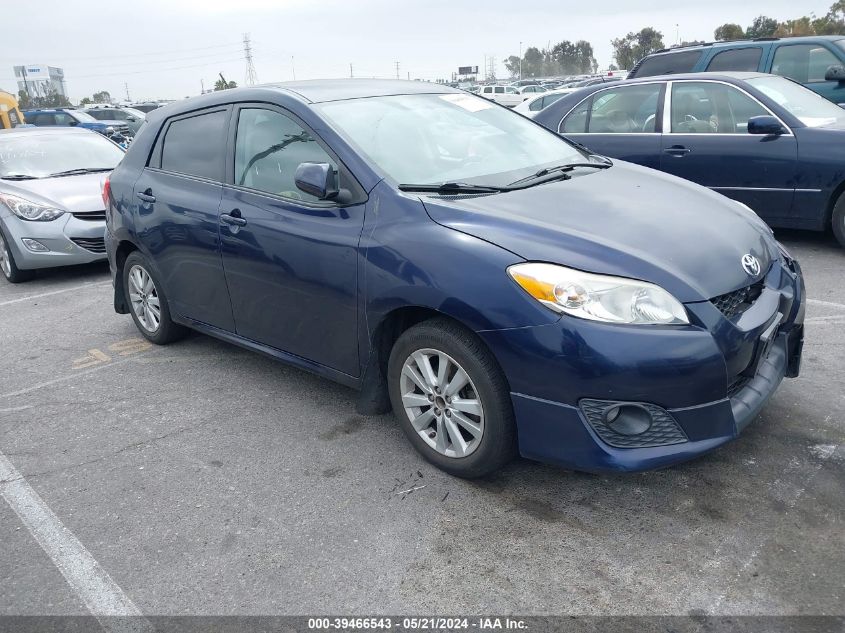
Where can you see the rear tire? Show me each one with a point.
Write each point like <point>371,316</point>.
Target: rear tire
<point>7,264</point>
<point>461,423</point>
<point>838,220</point>
<point>147,303</point>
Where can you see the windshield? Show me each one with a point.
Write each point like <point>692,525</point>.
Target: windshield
<point>436,138</point>
<point>39,155</point>
<point>82,117</point>
<point>810,108</point>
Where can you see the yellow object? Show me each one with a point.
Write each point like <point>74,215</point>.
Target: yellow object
<point>10,114</point>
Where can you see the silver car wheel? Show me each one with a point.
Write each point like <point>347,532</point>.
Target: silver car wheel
<point>442,403</point>
<point>5,261</point>
<point>144,298</point>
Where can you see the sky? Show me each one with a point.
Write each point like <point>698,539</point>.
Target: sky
<point>169,49</point>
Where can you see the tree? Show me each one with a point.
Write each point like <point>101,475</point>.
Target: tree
<point>222,84</point>
<point>512,64</point>
<point>23,99</point>
<point>85,101</point>
<point>795,28</point>
<point>729,32</point>
<point>761,27</point>
<point>833,23</point>
<point>532,62</point>
<point>633,47</point>
<point>102,97</point>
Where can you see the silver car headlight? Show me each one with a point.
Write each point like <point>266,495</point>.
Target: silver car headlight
<point>599,297</point>
<point>28,210</point>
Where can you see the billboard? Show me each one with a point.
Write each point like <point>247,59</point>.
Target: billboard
<point>467,70</point>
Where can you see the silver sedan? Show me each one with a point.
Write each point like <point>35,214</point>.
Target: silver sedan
<point>51,205</point>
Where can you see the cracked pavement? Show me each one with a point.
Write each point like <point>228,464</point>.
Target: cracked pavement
<point>206,479</point>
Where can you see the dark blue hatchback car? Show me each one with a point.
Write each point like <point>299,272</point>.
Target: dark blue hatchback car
<point>763,140</point>
<point>501,289</point>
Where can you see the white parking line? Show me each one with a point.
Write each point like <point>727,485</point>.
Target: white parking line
<point>54,292</point>
<point>818,302</point>
<point>101,595</point>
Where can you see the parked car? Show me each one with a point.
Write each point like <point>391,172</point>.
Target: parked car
<point>532,89</point>
<point>763,140</point>
<point>117,131</point>
<point>130,116</point>
<point>530,107</point>
<point>505,95</point>
<point>502,288</point>
<point>524,82</point>
<point>51,207</point>
<point>817,62</point>
<point>146,107</point>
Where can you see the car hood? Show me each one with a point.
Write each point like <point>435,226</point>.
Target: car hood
<point>628,221</point>
<point>71,193</point>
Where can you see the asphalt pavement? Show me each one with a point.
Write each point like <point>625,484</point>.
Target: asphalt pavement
<point>204,479</point>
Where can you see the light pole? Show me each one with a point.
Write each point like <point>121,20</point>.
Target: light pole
<point>520,60</point>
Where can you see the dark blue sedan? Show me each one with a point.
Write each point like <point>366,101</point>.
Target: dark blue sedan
<point>500,289</point>
<point>763,140</point>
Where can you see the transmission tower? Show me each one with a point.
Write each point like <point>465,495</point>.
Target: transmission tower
<point>251,75</point>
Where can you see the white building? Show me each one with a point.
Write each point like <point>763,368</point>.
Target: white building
<point>39,80</point>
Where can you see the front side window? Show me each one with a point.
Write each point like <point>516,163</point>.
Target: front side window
<point>195,146</point>
<point>436,138</point>
<point>43,120</point>
<point>669,63</point>
<point>268,149</point>
<point>737,59</point>
<point>711,108</point>
<point>804,63</point>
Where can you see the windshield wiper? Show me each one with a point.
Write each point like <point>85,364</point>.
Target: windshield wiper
<point>84,170</point>
<point>452,187</point>
<point>19,177</point>
<point>560,172</point>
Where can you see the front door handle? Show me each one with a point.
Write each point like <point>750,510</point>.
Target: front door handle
<point>146,196</point>
<point>677,150</point>
<point>234,218</point>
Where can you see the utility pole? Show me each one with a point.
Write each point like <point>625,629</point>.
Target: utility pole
<point>251,75</point>
<point>202,86</point>
<point>126,85</point>
<point>25,84</point>
<point>397,70</point>
<point>292,68</point>
<point>351,76</point>
<point>520,60</point>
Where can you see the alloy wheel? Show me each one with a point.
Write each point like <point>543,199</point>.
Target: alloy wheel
<point>442,403</point>
<point>144,298</point>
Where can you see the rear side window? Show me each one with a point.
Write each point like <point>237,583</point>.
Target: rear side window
<point>196,146</point>
<point>628,109</point>
<point>737,59</point>
<point>43,119</point>
<point>669,63</point>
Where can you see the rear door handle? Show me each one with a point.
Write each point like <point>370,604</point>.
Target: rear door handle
<point>146,196</point>
<point>234,218</point>
<point>677,150</point>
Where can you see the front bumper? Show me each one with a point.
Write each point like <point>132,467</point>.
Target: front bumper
<point>70,241</point>
<point>561,374</point>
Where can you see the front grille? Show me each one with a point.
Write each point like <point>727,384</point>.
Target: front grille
<point>663,431</point>
<point>93,244</point>
<point>738,301</point>
<point>90,215</point>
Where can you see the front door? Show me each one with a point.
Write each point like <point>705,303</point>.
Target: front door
<point>178,201</point>
<point>708,143</point>
<point>291,260</point>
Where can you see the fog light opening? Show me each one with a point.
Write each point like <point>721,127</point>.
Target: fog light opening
<point>628,419</point>
<point>34,245</point>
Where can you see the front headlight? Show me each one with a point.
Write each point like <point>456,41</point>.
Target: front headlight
<point>28,210</point>
<point>598,297</point>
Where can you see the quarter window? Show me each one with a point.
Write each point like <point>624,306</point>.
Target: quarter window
<point>268,149</point>
<point>195,146</point>
<point>711,108</point>
<point>737,59</point>
<point>805,63</point>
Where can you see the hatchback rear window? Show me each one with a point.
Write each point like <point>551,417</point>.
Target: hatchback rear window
<point>669,63</point>
<point>195,146</point>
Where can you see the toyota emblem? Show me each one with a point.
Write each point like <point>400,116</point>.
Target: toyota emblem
<point>751,264</point>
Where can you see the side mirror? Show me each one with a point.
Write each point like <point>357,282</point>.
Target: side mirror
<point>765,125</point>
<point>73,122</point>
<point>131,119</point>
<point>317,179</point>
<point>835,73</point>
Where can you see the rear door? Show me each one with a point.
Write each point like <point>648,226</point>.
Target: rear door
<point>178,200</point>
<point>808,63</point>
<point>291,260</point>
<point>621,121</point>
<point>706,141</point>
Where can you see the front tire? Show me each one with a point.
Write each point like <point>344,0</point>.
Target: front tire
<point>838,220</point>
<point>452,399</point>
<point>147,303</point>
<point>7,264</point>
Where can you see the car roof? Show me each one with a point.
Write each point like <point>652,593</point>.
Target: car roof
<point>756,41</point>
<point>730,76</point>
<point>34,131</point>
